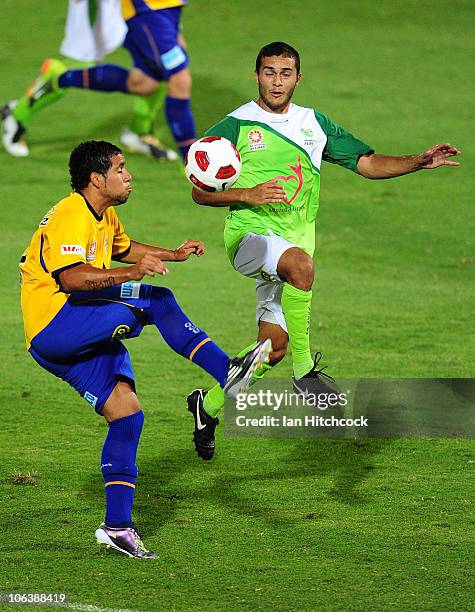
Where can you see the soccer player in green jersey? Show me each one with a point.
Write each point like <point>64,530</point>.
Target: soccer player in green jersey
<point>270,230</point>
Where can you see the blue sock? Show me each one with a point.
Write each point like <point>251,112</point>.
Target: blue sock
<point>119,469</point>
<point>181,122</point>
<point>184,337</point>
<point>105,77</point>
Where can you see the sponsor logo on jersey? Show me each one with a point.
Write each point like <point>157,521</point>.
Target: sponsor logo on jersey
<point>120,332</point>
<point>292,183</point>
<point>308,135</point>
<point>72,249</point>
<point>255,137</point>
<point>106,245</point>
<point>91,251</point>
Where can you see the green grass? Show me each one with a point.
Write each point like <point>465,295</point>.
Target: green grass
<point>269,524</point>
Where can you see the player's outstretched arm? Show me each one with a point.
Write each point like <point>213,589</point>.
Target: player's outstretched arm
<point>85,277</point>
<point>386,166</point>
<point>264,193</point>
<point>181,253</point>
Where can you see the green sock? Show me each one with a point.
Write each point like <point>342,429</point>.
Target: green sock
<point>261,372</point>
<point>26,106</point>
<point>214,399</point>
<point>145,110</point>
<point>296,307</point>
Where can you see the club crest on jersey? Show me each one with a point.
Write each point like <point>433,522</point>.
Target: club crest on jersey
<point>255,138</point>
<point>91,251</point>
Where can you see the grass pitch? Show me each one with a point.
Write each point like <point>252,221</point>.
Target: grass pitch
<point>297,524</point>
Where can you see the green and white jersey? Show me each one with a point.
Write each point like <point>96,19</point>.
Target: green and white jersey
<point>289,147</point>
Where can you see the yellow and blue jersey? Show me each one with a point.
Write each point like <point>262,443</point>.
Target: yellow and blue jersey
<point>71,233</point>
<point>131,8</point>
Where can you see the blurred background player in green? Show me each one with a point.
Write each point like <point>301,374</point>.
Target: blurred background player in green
<point>94,29</point>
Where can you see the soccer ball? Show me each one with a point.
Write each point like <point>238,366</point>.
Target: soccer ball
<point>213,163</point>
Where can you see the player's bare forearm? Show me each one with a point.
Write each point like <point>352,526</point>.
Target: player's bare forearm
<point>85,277</point>
<point>138,250</point>
<point>218,199</point>
<point>389,166</point>
<point>386,166</point>
<point>265,193</point>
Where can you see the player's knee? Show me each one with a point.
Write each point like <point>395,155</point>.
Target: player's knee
<point>140,84</point>
<point>122,402</point>
<point>302,273</point>
<point>179,84</point>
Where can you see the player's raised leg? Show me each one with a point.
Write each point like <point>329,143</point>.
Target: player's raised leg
<point>188,340</point>
<point>17,114</point>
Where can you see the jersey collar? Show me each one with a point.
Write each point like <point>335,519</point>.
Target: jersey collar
<point>276,117</point>
<point>91,209</point>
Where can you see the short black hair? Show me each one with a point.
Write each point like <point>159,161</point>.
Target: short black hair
<point>90,156</point>
<point>279,49</point>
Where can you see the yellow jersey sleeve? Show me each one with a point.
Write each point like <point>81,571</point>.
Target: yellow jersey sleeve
<point>63,243</point>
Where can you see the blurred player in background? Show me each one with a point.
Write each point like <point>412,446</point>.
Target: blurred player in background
<point>152,36</point>
<point>77,311</point>
<point>270,231</point>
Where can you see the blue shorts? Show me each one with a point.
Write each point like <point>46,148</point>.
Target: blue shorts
<point>152,40</point>
<point>82,344</point>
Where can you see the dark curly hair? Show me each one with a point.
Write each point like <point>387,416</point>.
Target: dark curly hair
<point>279,49</point>
<point>90,156</point>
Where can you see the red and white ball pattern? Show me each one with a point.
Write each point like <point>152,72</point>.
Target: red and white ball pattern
<point>213,164</point>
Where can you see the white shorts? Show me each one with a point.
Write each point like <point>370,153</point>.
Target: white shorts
<point>257,257</point>
<point>86,43</point>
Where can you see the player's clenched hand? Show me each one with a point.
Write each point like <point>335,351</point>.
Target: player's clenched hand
<point>437,156</point>
<point>189,247</point>
<point>148,265</point>
<point>265,193</point>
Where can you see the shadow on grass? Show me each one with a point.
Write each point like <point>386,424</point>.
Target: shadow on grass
<point>171,486</point>
<point>348,461</point>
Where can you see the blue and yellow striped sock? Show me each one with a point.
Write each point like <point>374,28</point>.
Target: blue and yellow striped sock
<point>119,469</point>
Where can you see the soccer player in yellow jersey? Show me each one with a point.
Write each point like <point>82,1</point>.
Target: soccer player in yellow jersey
<point>77,310</point>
